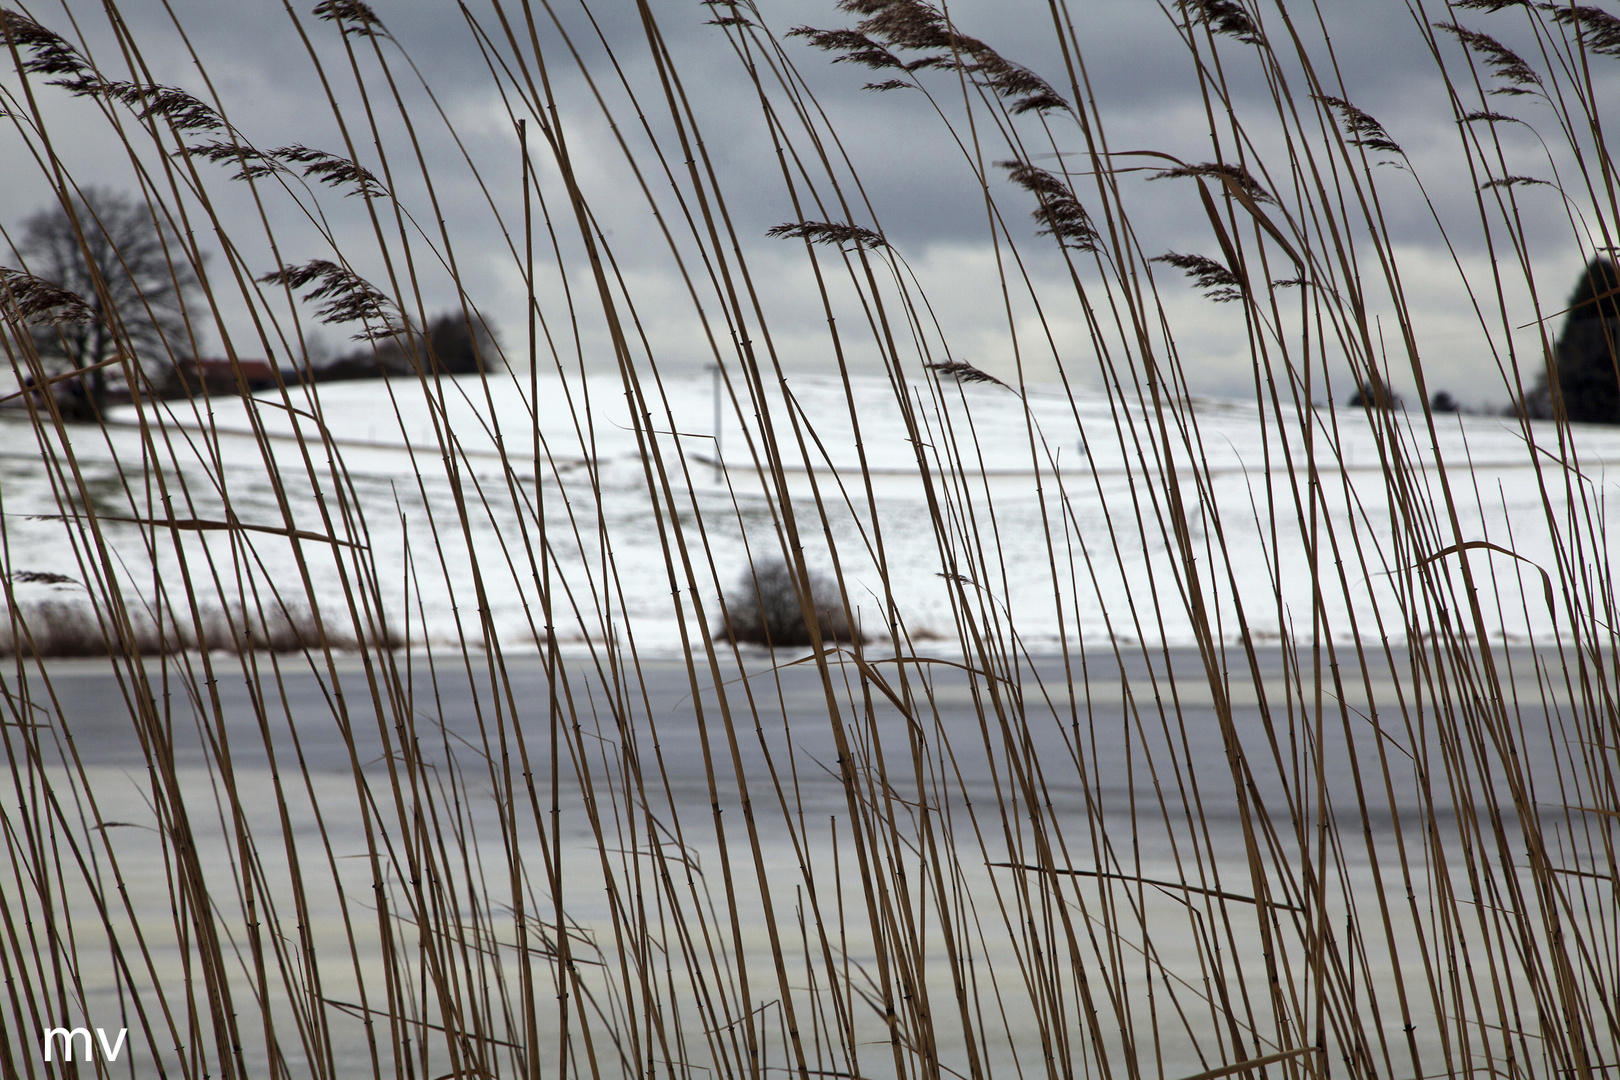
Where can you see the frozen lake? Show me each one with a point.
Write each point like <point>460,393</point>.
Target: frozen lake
<point>1114,767</point>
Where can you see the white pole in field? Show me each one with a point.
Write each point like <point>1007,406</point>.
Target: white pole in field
<point>715,368</point>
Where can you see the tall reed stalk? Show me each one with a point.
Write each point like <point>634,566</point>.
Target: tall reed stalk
<point>1304,767</point>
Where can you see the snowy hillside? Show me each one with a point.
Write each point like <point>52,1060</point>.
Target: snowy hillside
<point>1055,522</point>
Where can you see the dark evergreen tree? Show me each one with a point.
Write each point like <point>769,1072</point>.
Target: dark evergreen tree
<point>462,349</point>
<point>1587,377</point>
<point>1374,394</point>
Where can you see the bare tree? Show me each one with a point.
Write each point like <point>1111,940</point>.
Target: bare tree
<point>130,273</point>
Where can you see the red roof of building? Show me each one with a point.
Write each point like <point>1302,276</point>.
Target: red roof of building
<point>254,370</point>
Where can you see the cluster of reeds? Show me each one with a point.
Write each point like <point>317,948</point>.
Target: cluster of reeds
<point>1357,837</point>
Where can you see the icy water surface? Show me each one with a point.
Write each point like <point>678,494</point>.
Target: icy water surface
<point>1113,769</point>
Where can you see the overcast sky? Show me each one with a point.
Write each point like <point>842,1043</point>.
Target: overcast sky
<point>255,64</point>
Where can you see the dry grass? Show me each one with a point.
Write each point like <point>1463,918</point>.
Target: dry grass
<point>74,626</point>
<point>1379,845</point>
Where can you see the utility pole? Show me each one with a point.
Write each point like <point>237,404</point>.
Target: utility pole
<point>718,468</point>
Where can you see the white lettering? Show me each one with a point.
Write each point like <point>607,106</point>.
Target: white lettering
<point>111,1053</point>
<point>67,1042</point>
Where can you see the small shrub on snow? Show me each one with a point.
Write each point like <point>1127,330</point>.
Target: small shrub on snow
<point>764,609</point>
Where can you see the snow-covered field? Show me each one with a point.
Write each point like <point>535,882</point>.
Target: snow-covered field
<point>1056,515</point>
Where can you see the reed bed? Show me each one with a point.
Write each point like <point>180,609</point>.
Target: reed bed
<point>1310,776</point>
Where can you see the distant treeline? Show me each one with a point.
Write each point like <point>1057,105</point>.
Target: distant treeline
<point>449,346</point>
<point>1582,379</point>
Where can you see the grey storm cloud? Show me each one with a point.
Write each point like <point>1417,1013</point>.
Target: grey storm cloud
<point>917,178</point>
<point>1137,70</point>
